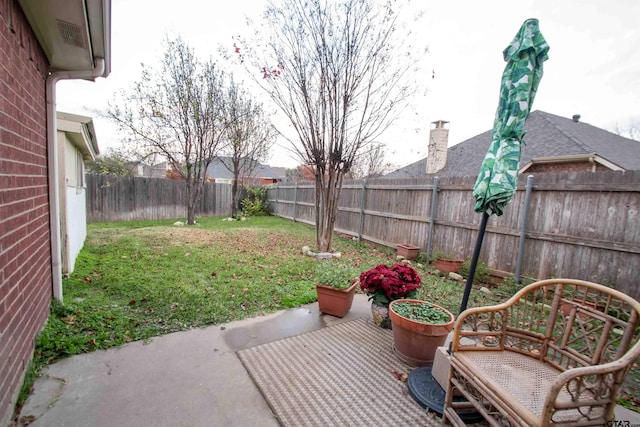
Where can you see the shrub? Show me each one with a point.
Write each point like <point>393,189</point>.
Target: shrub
<point>254,202</point>
<point>436,254</point>
<point>482,275</point>
<point>335,274</point>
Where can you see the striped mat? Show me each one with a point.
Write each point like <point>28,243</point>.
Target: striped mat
<point>336,376</point>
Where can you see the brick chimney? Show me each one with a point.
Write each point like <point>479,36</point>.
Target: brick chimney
<point>438,142</point>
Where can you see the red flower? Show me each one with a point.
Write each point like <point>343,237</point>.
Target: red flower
<point>384,284</point>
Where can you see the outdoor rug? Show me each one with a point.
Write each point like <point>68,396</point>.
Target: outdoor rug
<point>341,375</point>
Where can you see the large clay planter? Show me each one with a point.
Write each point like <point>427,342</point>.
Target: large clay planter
<point>336,302</point>
<point>448,265</point>
<point>415,343</point>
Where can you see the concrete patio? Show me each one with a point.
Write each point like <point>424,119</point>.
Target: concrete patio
<point>191,378</point>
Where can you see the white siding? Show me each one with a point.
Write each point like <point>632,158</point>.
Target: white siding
<point>76,216</point>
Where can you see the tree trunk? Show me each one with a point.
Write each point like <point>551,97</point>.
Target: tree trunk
<point>235,205</point>
<point>318,207</point>
<point>191,211</point>
<point>326,231</point>
<point>194,192</point>
<point>327,209</point>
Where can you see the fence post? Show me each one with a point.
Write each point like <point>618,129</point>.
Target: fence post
<point>432,216</point>
<point>362,201</point>
<point>295,200</point>
<point>523,229</point>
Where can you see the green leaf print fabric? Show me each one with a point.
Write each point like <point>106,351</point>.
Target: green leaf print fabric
<point>498,177</point>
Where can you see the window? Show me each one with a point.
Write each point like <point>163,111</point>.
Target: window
<point>79,170</point>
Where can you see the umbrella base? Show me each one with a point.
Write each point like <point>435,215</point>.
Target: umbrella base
<point>427,393</point>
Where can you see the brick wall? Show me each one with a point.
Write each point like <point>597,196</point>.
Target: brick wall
<point>25,263</point>
<point>565,167</point>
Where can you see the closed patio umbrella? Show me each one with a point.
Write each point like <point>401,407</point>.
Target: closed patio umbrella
<point>498,177</point>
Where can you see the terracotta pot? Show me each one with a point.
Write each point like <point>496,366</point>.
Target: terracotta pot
<point>336,302</point>
<point>415,343</point>
<point>409,252</point>
<point>448,265</point>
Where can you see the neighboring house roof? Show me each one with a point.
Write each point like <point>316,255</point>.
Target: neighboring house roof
<point>218,170</point>
<point>547,136</point>
<point>72,33</point>
<point>280,171</point>
<point>80,132</point>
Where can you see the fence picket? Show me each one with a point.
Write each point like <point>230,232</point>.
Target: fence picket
<point>119,198</point>
<point>580,225</point>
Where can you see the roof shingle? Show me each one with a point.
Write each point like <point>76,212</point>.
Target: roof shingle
<point>547,135</point>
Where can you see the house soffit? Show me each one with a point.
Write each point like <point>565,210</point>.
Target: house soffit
<point>72,33</point>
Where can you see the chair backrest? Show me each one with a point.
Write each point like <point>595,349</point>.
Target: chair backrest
<point>570,323</point>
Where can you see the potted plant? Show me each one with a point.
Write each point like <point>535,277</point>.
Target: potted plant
<point>447,263</point>
<point>407,251</point>
<point>384,284</point>
<point>419,328</point>
<point>335,284</point>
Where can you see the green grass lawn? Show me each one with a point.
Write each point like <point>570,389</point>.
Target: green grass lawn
<point>136,280</point>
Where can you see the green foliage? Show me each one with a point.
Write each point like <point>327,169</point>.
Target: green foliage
<point>386,250</point>
<point>336,274</point>
<point>33,372</point>
<point>255,202</point>
<point>444,255</point>
<point>111,163</point>
<point>140,279</point>
<point>421,258</point>
<point>482,273</point>
<point>424,313</point>
<point>510,283</point>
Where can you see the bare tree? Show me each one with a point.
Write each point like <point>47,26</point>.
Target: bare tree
<point>337,72</point>
<point>630,130</point>
<point>249,136</point>
<point>175,111</point>
<point>300,173</point>
<point>370,163</point>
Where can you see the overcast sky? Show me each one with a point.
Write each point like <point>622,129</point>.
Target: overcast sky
<point>593,67</point>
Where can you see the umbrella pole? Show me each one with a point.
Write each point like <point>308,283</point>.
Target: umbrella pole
<point>474,262</point>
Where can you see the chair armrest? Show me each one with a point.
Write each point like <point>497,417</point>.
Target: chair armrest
<point>588,386</point>
<point>481,328</point>
<point>620,365</point>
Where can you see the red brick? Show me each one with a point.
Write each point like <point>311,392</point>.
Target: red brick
<point>25,269</point>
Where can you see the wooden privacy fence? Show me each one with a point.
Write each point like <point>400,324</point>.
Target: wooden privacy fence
<point>576,225</point>
<point>120,198</point>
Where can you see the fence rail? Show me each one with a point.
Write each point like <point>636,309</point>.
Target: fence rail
<point>578,225</point>
<point>117,198</point>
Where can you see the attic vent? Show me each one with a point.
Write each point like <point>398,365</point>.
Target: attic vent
<point>71,34</point>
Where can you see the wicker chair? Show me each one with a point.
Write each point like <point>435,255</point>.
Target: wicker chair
<point>556,353</point>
